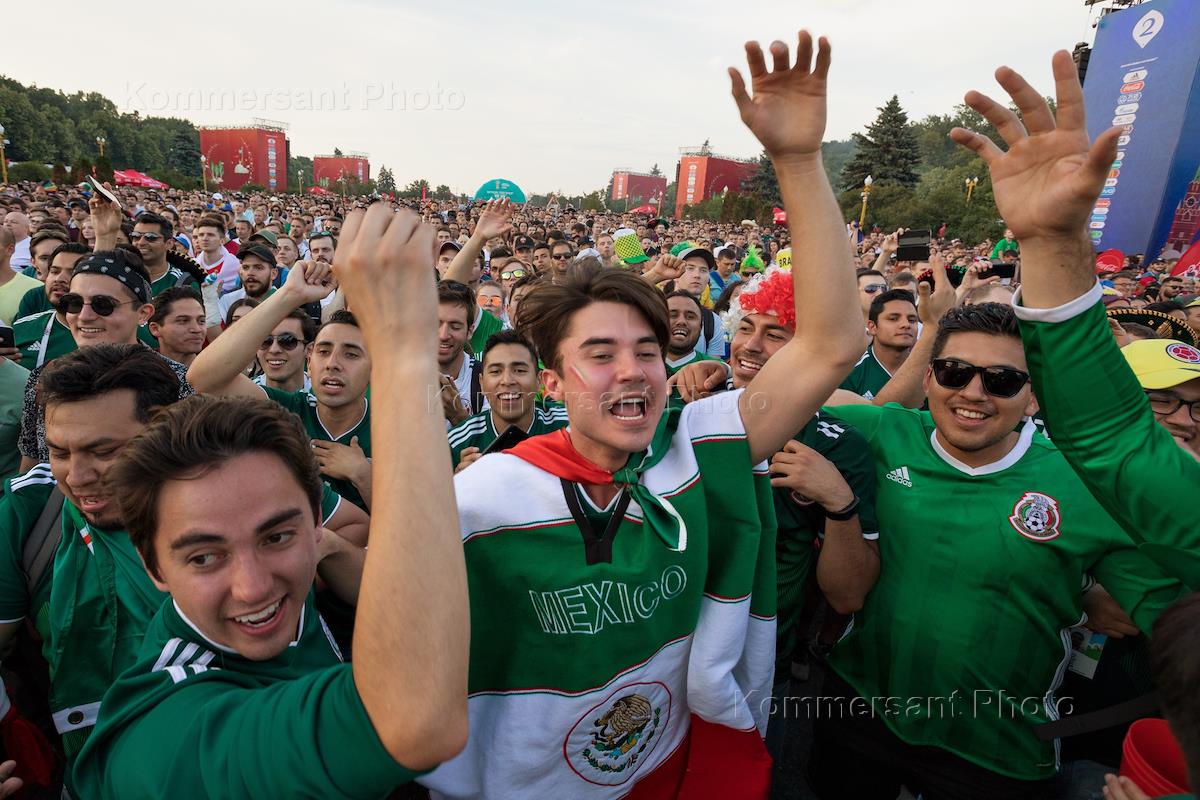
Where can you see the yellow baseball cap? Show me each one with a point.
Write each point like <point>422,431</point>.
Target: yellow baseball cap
<point>1162,363</point>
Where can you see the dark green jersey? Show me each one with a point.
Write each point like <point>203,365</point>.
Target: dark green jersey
<point>801,526</point>
<point>690,358</point>
<point>33,302</point>
<point>868,376</point>
<point>194,719</point>
<point>484,328</point>
<point>1102,422</point>
<point>174,276</point>
<point>480,431</point>
<point>304,405</point>
<point>41,338</point>
<point>963,640</point>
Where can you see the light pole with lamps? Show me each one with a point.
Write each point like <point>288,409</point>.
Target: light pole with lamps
<point>100,142</point>
<point>866,192</point>
<point>204,172</point>
<point>300,177</point>
<point>971,184</point>
<point>3,158</point>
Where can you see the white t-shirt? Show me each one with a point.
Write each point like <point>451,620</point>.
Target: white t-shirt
<point>20,257</point>
<point>228,275</point>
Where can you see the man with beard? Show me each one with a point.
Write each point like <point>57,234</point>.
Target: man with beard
<point>509,381</point>
<point>92,601</point>
<point>257,269</point>
<point>178,323</point>
<point>684,315</point>
<point>892,321</point>
<point>44,335</point>
<point>336,413</point>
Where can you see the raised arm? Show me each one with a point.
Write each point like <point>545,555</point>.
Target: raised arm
<point>787,114</point>
<point>218,368</point>
<point>496,220</point>
<point>1045,187</point>
<point>412,630</point>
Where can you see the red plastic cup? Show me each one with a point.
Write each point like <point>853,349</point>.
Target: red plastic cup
<point>1153,760</point>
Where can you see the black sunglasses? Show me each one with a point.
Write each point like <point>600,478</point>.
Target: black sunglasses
<point>102,304</point>
<point>872,288</point>
<point>562,257</point>
<point>286,341</point>
<point>998,381</point>
<point>149,237</point>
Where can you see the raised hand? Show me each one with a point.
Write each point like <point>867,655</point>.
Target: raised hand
<point>1047,183</point>
<point>787,110</point>
<point>934,304</point>
<point>309,281</point>
<point>385,263</point>
<point>496,219</point>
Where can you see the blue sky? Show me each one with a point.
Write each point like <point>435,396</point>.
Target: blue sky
<point>552,95</point>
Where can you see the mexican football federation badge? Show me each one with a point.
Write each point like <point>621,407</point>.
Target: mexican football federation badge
<point>1035,516</point>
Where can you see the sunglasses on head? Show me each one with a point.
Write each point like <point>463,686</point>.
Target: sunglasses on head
<point>872,288</point>
<point>286,341</point>
<point>997,381</point>
<point>102,304</point>
<point>509,274</point>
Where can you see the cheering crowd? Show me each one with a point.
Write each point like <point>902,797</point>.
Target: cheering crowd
<point>655,507</point>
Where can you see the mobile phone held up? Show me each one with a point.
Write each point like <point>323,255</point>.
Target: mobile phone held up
<point>101,190</point>
<point>7,338</point>
<point>913,246</point>
<point>507,440</point>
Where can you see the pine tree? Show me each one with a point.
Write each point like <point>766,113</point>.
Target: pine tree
<point>888,152</point>
<point>763,182</point>
<point>183,154</point>
<point>386,182</point>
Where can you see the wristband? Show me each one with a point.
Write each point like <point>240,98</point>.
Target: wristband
<point>846,513</point>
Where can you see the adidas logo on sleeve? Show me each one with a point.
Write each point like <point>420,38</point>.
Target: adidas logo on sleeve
<point>900,476</point>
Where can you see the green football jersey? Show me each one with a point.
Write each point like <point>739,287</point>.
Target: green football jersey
<point>800,526</point>
<point>1101,421</point>
<point>963,641</point>
<point>174,276</point>
<point>196,716</point>
<point>304,405</point>
<point>41,338</point>
<point>480,431</point>
<point>868,376</point>
<point>690,358</point>
<point>484,328</point>
<point>33,302</point>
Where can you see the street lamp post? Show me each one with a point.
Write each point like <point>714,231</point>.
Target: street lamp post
<point>300,177</point>
<point>3,158</point>
<point>971,184</point>
<point>204,172</point>
<point>866,193</point>
<point>100,142</point>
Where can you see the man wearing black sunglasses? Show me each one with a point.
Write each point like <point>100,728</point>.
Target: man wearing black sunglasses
<point>870,284</point>
<point>109,302</point>
<point>282,355</point>
<point>986,536</point>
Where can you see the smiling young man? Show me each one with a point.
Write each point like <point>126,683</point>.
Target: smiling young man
<point>43,336</point>
<point>618,650</point>
<point>237,669</point>
<point>283,355</point>
<point>509,380</point>
<point>108,303</point>
<point>970,612</point>
<point>336,413</point>
<point>892,323</point>
<point>684,314</point>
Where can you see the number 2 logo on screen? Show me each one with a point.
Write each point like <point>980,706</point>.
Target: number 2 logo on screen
<point>1147,28</point>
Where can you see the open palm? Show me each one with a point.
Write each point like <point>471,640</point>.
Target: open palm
<point>787,110</point>
<point>1048,181</point>
<point>496,219</point>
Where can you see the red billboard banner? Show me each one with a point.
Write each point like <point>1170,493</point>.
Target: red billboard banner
<point>329,170</point>
<point>638,186</point>
<point>237,156</point>
<point>701,177</point>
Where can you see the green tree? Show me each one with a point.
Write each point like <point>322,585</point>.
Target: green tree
<point>386,181</point>
<point>443,192</point>
<point>592,202</point>
<point>296,165</point>
<point>835,154</point>
<point>655,171</point>
<point>183,155</point>
<point>763,183</point>
<point>888,152</point>
<point>414,188</point>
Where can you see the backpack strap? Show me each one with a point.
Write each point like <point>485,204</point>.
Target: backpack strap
<point>43,540</point>
<point>709,322</point>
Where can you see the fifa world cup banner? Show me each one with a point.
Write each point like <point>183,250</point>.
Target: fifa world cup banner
<point>1143,77</point>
